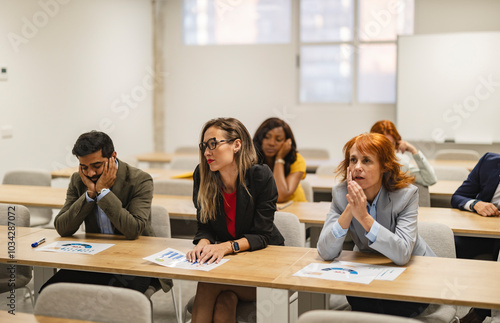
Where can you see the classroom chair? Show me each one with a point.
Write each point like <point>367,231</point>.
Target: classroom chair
<point>451,173</point>
<point>293,232</point>
<point>324,316</point>
<point>39,215</point>
<point>184,162</point>
<point>424,196</point>
<point>326,169</point>
<point>308,190</point>
<point>23,273</point>
<point>94,303</point>
<point>160,222</point>
<point>314,153</point>
<point>457,154</point>
<point>495,314</point>
<point>441,240</point>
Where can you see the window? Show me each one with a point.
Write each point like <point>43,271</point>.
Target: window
<point>222,22</point>
<point>348,49</point>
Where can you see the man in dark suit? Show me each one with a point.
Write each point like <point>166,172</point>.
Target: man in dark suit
<point>110,197</point>
<point>479,193</point>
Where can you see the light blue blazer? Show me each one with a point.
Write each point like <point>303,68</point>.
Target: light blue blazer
<point>397,214</point>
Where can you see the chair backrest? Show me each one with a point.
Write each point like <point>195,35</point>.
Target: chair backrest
<point>94,303</point>
<point>424,196</point>
<point>439,238</point>
<point>323,316</point>
<point>184,162</point>
<point>173,187</point>
<point>17,214</point>
<point>451,173</point>
<point>308,190</point>
<point>160,221</point>
<point>187,150</point>
<point>39,215</point>
<point>326,169</point>
<point>314,153</point>
<point>292,230</point>
<point>27,177</point>
<point>457,154</point>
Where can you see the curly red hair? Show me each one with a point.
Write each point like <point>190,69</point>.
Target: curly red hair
<point>377,144</point>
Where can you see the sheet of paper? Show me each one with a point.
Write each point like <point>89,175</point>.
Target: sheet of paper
<point>349,272</point>
<point>174,258</point>
<point>75,247</point>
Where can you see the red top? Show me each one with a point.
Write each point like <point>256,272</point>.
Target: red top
<point>230,209</point>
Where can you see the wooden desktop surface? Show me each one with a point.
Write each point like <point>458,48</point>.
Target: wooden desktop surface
<point>426,279</point>
<point>468,164</point>
<point>31,318</point>
<point>311,213</point>
<point>156,173</point>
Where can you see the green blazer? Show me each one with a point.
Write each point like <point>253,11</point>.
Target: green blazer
<point>127,205</point>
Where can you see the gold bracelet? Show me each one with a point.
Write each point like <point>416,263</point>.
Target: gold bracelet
<point>279,161</point>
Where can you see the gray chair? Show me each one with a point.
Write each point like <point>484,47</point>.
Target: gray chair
<point>424,196</point>
<point>326,169</point>
<point>39,215</point>
<point>294,233</point>
<point>308,190</point>
<point>94,303</point>
<point>451,173</point>
<point>457,154</point>
<point>314,153</point>
<point>180,228</point>
<point>20,216</point>
<point>184,162</point>
<point>323,316</point>
<point>160,221</point>
<point>441,240</point>
<point>495,314</point>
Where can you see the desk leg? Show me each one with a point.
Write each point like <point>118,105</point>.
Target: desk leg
<point>41,275</point>
<point>272,305</point>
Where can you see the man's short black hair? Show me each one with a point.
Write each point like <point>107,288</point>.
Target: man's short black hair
<point>93,141</point>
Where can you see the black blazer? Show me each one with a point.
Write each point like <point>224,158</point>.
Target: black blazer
<point>254,214</point>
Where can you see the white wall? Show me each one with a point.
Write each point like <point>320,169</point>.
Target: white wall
<point>72,72</point>
<point>250,83</point>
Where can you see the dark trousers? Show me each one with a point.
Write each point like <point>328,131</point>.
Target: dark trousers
<point>383,306</point>
<point>140,284</point>
<point>470,247</point>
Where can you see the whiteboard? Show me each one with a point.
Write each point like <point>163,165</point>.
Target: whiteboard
<point>448,87</point>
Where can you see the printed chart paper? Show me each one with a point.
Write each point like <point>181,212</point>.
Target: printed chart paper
<point>350,272</point>
<point>176,259</point>
<point>76,247</point>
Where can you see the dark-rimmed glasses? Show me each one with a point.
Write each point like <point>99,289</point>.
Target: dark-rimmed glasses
<point>212,143</point>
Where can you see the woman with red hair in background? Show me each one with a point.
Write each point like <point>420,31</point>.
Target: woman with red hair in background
<point>377,204</point>
<point>423,171</point>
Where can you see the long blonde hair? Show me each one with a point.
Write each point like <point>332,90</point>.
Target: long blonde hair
<point>210,182</point>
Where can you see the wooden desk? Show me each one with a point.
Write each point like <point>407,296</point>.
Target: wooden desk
<point>160,157</point>
<point>31,318</point>
<point>426,279</point>
<point>462,223</point>
<point>444,188</point>
<point>468,164</point>
<point>156,173</point>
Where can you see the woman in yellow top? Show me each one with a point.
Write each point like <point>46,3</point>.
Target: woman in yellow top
<point>276,147</point>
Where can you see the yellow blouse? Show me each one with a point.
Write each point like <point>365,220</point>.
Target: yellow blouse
<point>299,166</point>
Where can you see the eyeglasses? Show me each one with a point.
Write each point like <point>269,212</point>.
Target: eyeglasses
<point>212,143</point>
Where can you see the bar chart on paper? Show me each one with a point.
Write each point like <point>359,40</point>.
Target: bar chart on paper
<point>174,258</point>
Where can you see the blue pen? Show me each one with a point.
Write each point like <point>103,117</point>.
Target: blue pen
<point>37,243</point>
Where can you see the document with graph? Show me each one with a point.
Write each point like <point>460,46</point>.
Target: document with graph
<point>174,258</point>
<point>350,272</point>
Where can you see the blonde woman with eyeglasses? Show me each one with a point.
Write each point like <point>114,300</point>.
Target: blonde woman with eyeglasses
<point>235,200</point>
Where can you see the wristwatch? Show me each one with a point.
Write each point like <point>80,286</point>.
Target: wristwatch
<point>101,190</point>
<point>235,246</point>
<point>472,205</point>
<point>279,161</point>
